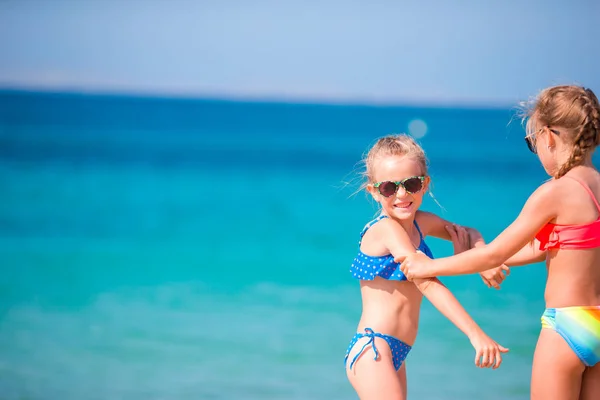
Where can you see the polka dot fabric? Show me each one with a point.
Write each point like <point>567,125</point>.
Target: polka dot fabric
<point>399,349</point>
<point>366,267</point>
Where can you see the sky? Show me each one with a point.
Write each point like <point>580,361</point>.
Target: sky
<point>420,52</point>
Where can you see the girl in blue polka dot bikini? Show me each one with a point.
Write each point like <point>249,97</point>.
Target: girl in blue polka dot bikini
<point>396,177</point>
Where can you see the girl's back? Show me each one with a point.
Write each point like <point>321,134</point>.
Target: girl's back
<point>574,271</point>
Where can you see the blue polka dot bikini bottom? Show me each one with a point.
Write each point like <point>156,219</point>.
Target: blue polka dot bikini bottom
<point>399,348</point>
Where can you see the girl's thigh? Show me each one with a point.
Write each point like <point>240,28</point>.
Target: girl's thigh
<point>402,378</point>
<point>375,379</point>
<point>557,371</point>
<point>590,386</point>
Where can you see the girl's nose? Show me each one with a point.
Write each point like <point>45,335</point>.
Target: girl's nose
<point>401,192</point>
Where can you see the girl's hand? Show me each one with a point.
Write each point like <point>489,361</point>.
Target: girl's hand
<point>488,353</point>
<point>415,265</point>
<point>495,276</point>
<point>460,238</point>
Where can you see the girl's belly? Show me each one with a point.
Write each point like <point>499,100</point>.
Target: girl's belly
<point>391,308</point>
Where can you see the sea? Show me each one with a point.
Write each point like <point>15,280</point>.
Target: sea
<point>178,248</point>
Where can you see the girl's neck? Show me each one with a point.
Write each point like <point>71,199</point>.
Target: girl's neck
<point>587,164</point>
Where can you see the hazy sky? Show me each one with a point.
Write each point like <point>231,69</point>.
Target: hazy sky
<point>441,51</point>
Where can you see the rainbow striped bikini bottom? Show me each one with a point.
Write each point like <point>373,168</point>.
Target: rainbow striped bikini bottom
<point>580,327</point>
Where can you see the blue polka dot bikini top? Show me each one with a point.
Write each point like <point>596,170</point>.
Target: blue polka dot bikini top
<point>366,267</point>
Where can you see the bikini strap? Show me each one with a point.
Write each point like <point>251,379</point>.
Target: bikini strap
<point>587,188</point>
<point>421,239</point>
<point>418,229</point>
<point>370,224</point>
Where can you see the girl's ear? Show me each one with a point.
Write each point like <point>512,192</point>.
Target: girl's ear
<point>551,140</point>
<point>426,183</point>
<point>373,191</point>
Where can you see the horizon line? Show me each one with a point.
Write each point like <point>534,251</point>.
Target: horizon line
<point>332,101</point>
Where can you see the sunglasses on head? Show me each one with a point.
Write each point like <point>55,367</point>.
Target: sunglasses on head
<point>532,139</point>
<point>412,185</point>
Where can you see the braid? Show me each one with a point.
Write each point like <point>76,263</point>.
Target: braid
<point>594,114</point>
<point>587,135</point>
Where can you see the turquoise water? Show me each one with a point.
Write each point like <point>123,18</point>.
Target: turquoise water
<point>175,249</point>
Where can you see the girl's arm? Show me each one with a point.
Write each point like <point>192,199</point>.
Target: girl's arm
<point>438,227</point>
<point>529,254</point>
<point>539,209</point>
<point>486,349</point>
<point>488,352</point>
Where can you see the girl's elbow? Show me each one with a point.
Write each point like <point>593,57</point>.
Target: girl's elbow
<point>495,258</point>
<point>426,284</point>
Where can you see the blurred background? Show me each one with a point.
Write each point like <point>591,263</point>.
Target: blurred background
<point>178,206</point>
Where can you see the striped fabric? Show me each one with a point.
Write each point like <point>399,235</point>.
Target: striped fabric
<point>580,327</point>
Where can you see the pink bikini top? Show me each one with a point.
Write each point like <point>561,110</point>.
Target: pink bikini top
<point>571,237</point>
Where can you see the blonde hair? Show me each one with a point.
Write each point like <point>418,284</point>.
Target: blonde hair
<point>392,145</point>
<point>576,110</point>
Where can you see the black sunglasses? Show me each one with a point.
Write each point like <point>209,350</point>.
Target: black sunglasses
<point>531,139</point>
<point>412,185</point>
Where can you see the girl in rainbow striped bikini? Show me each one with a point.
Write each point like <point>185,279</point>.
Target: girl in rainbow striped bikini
<point>559,224</point>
